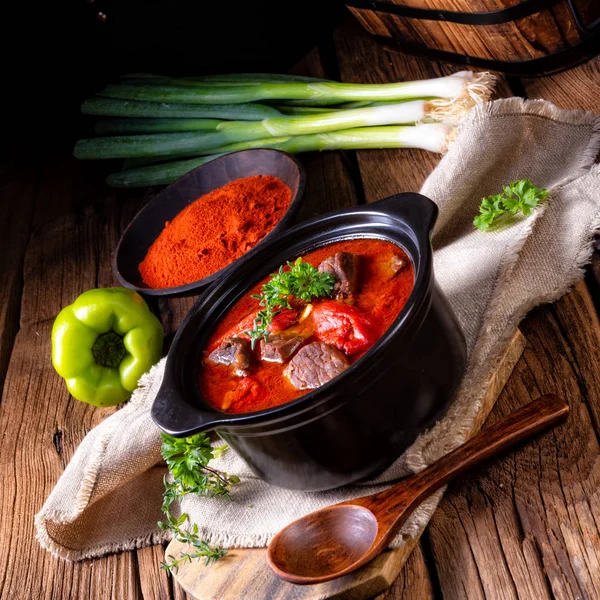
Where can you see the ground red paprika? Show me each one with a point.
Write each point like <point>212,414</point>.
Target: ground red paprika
<point>215,230</point>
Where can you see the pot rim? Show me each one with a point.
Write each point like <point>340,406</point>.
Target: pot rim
<point>415,211</point>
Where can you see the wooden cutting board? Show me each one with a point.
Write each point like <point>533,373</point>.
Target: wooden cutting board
<point>245,574</point>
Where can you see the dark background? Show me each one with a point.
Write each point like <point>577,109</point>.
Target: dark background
<point>57,53</point>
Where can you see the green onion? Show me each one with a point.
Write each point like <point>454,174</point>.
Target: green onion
<point>161,174</point>
<point>119,126</point>
<point>429,136</point>
<point>262,77</point>
<point>347,105</point>
<point>310,110</point>
<point>228,78</point>
<point>187,143</point>
<point>466,85</point>
<point>108,107</point>
<point>134,163</point>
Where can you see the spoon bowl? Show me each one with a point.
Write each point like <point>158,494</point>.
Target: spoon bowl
<point>333,540</point>
<point>337,540</point>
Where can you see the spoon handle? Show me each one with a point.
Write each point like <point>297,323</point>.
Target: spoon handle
<point>518,426</point>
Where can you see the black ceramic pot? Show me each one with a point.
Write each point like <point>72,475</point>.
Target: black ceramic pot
<point>359,423</point>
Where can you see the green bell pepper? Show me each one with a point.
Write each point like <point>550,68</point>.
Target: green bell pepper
<point>103,343</point>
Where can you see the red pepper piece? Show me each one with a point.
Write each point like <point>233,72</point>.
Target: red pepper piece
<point>286,318</point>
<point>247,394</point>
<point>343,326</point>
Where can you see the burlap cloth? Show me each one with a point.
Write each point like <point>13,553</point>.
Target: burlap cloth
<point>109,497</point>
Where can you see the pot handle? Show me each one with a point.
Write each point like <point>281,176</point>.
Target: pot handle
<point>175,416</point>
<point>418,211</point>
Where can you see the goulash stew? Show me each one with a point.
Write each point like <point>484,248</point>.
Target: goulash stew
<point>301,327</point>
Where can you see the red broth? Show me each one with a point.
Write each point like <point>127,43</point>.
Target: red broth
<point>380,296</point>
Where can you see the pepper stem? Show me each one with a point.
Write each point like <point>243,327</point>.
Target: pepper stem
<point>109,350</point>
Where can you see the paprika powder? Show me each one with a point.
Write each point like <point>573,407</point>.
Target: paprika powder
<point>215,230</point>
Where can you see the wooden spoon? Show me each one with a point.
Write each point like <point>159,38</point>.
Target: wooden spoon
<point>339,539</point>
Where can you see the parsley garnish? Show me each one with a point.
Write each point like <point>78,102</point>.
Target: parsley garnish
<point>518,196</point>
<point>301,280</point>
<point>187,460</point>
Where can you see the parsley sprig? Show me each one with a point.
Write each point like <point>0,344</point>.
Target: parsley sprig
<point>187,460</point>
<point>518,196</point>
<point>301,280</point>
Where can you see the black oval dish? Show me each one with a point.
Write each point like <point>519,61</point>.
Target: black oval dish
<point>360,422</point>
<point>150,221</point>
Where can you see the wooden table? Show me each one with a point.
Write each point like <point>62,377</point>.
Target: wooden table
<point>525,527</point>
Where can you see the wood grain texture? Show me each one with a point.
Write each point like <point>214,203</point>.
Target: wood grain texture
<point>531,515</point>
<point>155,583</point>
<point>575,88</point>
<point>544,32</point>
<point>492,538</point>
<point>413,582</point>
<point>40,424</point>
<point>18,187</point>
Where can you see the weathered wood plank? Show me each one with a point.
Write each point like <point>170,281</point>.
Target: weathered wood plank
<point>40,424</point>
<point>524,527</point>
<point>18,188</point>
<point>179,593</point>
<point>547,31</point>
<point>414,581</point>
<point>576,313</point>
<point>154,581</point>
<point>574,88</point>
<point>482,546</point>
<point>52,432</point>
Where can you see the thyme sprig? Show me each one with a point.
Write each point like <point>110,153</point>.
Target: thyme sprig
<point>518,196</point>
<point>187,460</point>
<point>300,280</point>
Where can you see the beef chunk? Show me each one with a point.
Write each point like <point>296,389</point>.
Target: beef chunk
<point>314,365</point>
<point>343,266</point>
<point>233,351</point>
<point>280,347</point>
<point>397,264</point>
